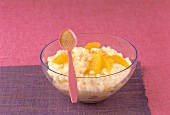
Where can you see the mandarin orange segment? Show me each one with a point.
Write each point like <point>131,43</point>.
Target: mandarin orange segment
<point>91,45</point>
<point>119,60</point>
<point>102,52</point>
<point>108,63</point>
<point>61,59</point>
<point>96,64</point>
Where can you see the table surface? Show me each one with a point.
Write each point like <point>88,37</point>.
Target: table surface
<point>27,25</point>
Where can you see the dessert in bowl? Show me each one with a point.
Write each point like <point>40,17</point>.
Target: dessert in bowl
<point>103,64</point>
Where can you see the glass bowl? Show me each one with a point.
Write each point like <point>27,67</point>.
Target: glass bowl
<point>92,89</point>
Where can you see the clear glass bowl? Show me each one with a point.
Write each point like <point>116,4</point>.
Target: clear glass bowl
<point>92,93</point>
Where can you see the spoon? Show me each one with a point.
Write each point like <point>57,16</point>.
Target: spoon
<point>68,41</point>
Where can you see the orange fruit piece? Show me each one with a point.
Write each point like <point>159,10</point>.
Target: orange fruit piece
<point>61,59</point>
<point>96,64</point>
<point>91,45</point>
<point>108,63</point>
<point>102,52</point>
<point>119,60</point>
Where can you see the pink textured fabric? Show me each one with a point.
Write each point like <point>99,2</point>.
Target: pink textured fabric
<point>27,25</point>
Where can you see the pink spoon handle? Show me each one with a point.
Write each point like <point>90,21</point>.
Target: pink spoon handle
<point>72,80</point>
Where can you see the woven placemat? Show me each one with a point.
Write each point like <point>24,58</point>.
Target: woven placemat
<point>24,90</point>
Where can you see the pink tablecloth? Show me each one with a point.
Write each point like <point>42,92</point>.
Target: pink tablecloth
<point>27,25</point>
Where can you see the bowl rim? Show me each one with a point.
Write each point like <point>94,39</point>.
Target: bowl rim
<point>135,60</point>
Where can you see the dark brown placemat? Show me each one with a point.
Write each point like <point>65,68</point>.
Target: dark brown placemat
<point>24,90</point>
